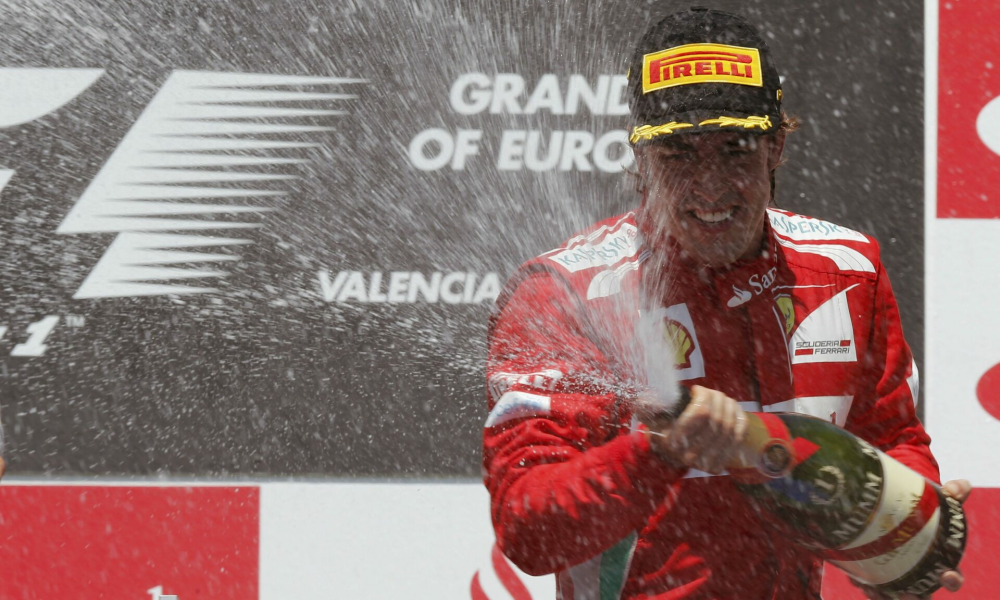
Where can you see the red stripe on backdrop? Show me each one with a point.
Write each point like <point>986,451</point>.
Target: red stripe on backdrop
<point>119,542</point>
<point>476,589</point>
<point>982,578</point>
<point>511,582</point>
<point>968,80</point>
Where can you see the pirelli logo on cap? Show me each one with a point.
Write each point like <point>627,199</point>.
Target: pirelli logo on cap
<point>701,63</point>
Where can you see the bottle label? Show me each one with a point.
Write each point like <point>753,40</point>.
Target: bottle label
<point>898,532</point>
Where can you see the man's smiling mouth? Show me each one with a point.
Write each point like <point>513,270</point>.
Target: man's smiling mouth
<point>713,217</point>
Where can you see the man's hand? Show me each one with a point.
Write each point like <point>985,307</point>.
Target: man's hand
<point>3,467</point>
<point>705,436</point>
<point>952,581</point>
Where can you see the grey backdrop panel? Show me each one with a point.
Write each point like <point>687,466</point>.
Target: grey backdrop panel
<point>267,377</point>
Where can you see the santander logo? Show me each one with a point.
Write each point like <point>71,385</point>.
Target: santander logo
<point>988,125</point>
<point>988,391</point>
<point>739,297</point>
<point>758,282</point>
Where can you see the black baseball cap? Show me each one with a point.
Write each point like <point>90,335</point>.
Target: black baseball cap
<point>701,70</point>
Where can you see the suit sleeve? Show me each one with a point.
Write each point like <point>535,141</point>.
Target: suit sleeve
<point>885,412</point>
<point>567,477</point>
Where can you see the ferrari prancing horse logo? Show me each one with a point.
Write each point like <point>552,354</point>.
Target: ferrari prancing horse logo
<point>787,309</point>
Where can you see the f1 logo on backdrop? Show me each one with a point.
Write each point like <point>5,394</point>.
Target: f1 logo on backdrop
<point>205,140</point>
<point>29,94</point>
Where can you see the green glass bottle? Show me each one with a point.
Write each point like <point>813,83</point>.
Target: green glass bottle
<point>876,519</point>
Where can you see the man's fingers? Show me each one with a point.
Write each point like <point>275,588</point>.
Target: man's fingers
<point>717,410</point>
<point>708,431</point>
<point>959,489</point>
<point>729,412</point>
<point>692,426</point>
<point>3,467</point>
<point>740,432</point>
<point>713,459</point>
<point>952,580</point>
<point>729,439</point>
<point>710,443</point>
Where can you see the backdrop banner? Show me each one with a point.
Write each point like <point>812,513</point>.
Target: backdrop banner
<point>307,541</point>
<point>264,237</point>
<point>260,239</point>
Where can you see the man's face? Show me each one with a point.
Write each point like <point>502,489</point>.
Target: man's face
<point>710,191</point>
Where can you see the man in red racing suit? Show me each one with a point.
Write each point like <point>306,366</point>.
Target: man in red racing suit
<point>766,311</point>
<point>809,326</point>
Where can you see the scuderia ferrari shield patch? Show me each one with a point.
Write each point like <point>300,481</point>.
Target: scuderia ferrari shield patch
<point>826,335</point>
<point>701,63</point>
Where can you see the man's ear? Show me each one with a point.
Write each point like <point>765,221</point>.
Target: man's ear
<point>776,147</point>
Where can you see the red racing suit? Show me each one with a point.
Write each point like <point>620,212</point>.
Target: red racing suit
<point>811,326</point>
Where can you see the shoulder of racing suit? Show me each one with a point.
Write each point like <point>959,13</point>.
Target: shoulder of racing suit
<point>818,245</point>
<point>592,262</point>
<point>595,261</point>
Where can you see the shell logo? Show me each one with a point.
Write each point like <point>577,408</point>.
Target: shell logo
<point>988,391</point>
<point>988,125</point>
<point>680,341</point>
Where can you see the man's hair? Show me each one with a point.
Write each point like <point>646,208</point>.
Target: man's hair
<point>788,124</point>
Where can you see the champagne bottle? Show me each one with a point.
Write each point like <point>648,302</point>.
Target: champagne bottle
<point>856,507</point>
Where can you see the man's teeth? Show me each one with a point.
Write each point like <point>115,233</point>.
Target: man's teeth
<point>714,217</point>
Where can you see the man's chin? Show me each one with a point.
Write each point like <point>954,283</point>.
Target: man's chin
<point>718,262</point>
<point>710,254</point>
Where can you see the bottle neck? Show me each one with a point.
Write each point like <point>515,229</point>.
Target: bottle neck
<point>766,451</point>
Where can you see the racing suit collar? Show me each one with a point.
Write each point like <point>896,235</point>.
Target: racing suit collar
<point>749,279</point>
<point>735,285</point>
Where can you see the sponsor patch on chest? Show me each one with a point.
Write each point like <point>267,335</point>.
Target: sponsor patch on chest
<point>603,251</point>
<point>826,334</point>
<point>672,342</point>
<point>801,228</point>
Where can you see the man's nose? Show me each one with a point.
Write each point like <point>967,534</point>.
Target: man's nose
<point>709,186</point>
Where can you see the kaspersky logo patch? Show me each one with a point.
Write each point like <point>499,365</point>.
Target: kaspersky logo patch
<point>826,335</point>
<point>203,156</point>
<point>701,63</point>
<point>802,228</point>
<point>601,248</point>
